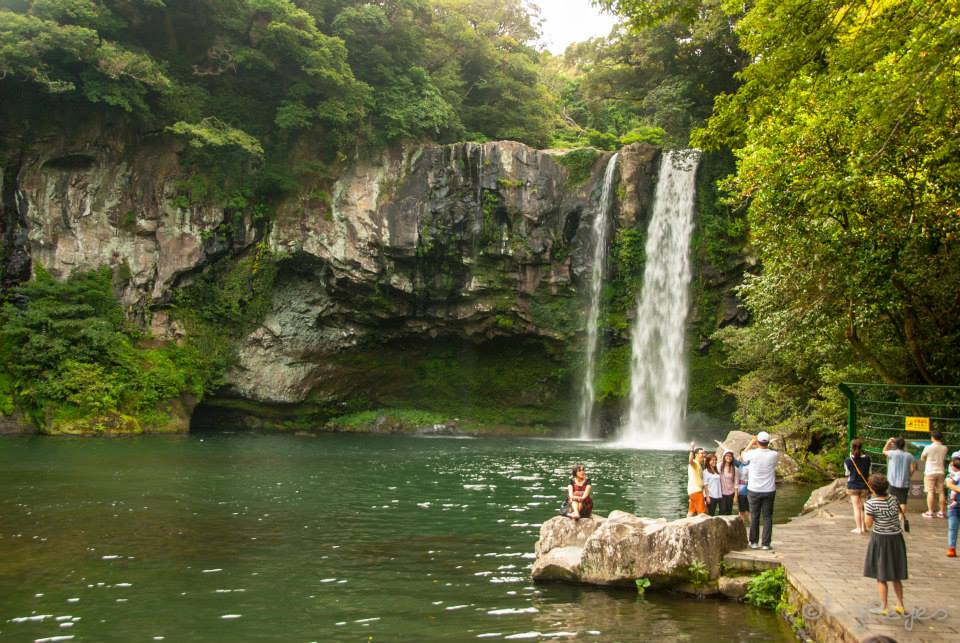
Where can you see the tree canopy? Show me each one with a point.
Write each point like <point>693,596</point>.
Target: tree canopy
<point>251,73</point>
<point>845,128</point>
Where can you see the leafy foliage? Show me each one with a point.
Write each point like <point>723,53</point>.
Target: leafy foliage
<point>767,588</point>
<point>845,133</point>
<point>653,80</point>
<point>68,353</point>
<point>642,585</point>
<point>219,308</point>
<point>698,573</point>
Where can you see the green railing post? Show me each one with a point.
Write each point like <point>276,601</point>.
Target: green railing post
<point>851,411</point>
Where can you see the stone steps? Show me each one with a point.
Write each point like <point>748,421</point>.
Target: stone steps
<point>751,561</point>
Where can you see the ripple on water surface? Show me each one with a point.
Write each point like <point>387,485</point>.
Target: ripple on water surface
<point>337,537</point>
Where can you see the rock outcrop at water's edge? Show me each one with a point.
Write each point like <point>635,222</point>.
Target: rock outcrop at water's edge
<point>621,548</point>
<point>823,496</point>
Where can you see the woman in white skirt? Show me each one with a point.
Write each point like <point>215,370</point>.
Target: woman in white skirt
<point>887,552</point>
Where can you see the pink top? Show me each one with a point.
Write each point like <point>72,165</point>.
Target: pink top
<point>729,479</point>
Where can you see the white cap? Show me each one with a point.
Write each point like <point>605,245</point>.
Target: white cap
<point>763,436</point>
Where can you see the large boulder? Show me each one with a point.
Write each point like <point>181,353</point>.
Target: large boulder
<point>624,547</point>
<point>836,490</point>
<point>737,441</point>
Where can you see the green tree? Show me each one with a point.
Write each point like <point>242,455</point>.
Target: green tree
<point>845,128</point>
<point>858,231</point>
<point>68,353</point>
<point>663,70</point>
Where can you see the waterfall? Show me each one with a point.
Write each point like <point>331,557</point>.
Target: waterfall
<point>601,228</point>
<point>658,378</point>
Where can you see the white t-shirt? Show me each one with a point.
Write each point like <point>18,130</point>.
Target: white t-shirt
<point>934,455</point>
<point>712,482</point>
<point>763,469</point>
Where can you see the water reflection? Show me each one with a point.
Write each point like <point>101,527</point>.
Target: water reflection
<point>335,537</point>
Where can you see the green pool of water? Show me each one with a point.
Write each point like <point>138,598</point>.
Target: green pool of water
<point>245,537</point>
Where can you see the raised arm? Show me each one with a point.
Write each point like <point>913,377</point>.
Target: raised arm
<point>888,446</point>
<point>693,449</point>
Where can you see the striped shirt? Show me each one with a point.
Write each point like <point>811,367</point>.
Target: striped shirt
<point>886,515</point>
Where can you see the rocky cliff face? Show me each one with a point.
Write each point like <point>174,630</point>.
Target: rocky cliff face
<point>438,273</point>
<point>472,243</point>
<point>105,196</point>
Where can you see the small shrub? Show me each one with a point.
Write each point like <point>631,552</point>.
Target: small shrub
<point>642,585</point>
<point>699,574</point>
<point>580,164</point>
<point>766,590</point>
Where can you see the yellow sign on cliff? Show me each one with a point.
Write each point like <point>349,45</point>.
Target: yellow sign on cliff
<point>918,425</point>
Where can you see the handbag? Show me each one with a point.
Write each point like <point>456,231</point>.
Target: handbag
<point>564,508</point>
<point>860,473</point>
<point>906,523</point>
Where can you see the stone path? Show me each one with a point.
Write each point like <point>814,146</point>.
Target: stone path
<point>824,562</point>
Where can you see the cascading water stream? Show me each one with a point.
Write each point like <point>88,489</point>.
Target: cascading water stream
<point>601,228</point>
<point>658,384</point>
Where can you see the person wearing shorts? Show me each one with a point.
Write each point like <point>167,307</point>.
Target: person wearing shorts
<point>695,488</point>
<point>933,456</point>
<point>857,467</point>
<point>900,464</point>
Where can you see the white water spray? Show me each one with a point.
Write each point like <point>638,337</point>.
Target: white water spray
<point>658,384</point>
<point>601,229</point>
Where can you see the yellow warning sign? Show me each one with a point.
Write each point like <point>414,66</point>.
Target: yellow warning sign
<point>920,425</point>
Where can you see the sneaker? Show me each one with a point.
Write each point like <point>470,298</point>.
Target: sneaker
<point>952,552</point>
<point>928,514</point>
<point>754,546</point>
<point>766,548</point>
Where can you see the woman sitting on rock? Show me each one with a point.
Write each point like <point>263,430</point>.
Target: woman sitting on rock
<point>578,493</point>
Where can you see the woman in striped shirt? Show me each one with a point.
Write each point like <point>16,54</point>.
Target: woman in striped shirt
<point>887,552</point>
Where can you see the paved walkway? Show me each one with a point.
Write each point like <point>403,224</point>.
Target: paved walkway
<point>824,562</point>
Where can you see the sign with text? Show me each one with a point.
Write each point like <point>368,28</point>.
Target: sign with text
<point>918,425</point>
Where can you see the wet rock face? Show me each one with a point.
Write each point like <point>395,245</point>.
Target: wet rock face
<point>103,196</point>
<point>478,242</point>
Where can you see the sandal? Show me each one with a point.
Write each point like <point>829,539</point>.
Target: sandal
<point>881,611</point>
<point>939,514</point>
<point>899,610</point>
<point>928,514</point>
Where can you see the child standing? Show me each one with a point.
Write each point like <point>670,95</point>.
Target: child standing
<point>953,510</point>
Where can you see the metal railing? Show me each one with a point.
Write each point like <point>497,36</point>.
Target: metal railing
<point>877,412</point>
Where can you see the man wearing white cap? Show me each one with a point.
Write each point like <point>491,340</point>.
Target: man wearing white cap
<point>761,487</point>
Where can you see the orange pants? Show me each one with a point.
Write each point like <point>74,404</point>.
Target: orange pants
<point>697,504</point>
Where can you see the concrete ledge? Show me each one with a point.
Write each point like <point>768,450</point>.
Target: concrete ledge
<point>751,561</point>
